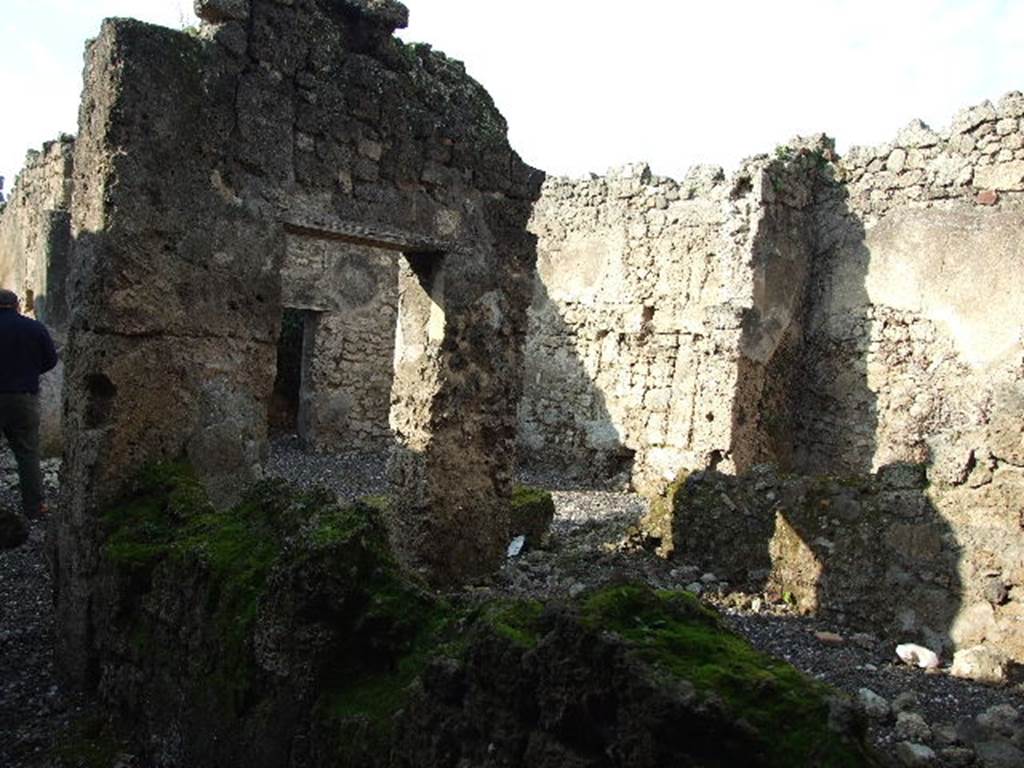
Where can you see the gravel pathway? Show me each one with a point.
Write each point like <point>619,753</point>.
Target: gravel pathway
<point>33,704</point>
<point>950,722</point>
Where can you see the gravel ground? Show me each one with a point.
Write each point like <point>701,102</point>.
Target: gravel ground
<point>583,552</point>
<point>34,706</point>
<point>349,475</point>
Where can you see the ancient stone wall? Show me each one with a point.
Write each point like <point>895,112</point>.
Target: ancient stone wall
<point>34,232</point>
<point>834,316</point>
<point>913,319</point>
<point>35,242</point>
<point>196,160</point>
<point>653,297</point>
<point>913,343</point>
<point>351,293</point>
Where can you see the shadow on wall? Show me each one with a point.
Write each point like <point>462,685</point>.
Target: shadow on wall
<point>870,549</point>
<point>565,424</point>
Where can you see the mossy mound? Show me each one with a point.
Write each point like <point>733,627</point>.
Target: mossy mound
<point>236,626</point>
<point>282,632</point>
<point>624,677</point>
<point>789,713</point>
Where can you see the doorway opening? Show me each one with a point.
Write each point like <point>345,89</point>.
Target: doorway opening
<point>283,416</point>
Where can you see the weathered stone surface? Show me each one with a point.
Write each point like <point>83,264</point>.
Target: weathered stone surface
<point>655,301</point>
<point>1002,177</point>
<point>868,548</point>
<point>313,649</point>
<point>915,755</point>
<point>874,706</point>
<point>980,663</point>
<point>194,169</point>
<point>35,248</point>
<point>998,754</point>
<point>895,342</point>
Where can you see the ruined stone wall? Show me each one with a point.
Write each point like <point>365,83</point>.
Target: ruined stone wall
<point>35,243</point>
<point>196,160</point>
<point>348,366</point>
<point>34,230</point>
<point>860,312</point>
<point>913,317</point>
<point>653,297</point>
<point>913,345</point>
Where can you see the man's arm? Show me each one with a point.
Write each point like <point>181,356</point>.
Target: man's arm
<point>47,351</point>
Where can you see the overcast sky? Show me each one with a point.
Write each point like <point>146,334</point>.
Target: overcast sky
<point>590,84</point>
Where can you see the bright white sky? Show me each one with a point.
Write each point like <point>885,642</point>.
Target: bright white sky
<point>589,84</point>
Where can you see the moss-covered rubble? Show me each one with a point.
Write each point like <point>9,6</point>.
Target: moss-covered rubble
<point>282,632</point>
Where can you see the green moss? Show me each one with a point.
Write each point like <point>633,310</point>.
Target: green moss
<point>674,633</point>
<point>166,521</point>
<point>516,620</point>
<point>142,527</point>
<point>531,513</point>
<point>374,692</point>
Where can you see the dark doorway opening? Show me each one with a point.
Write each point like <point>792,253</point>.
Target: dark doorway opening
<point>283,416</point>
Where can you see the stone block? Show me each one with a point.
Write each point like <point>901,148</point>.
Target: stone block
<point>1001,177</point>
<point>981,663</point>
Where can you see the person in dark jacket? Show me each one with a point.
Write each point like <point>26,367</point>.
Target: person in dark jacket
<point>26,351</point>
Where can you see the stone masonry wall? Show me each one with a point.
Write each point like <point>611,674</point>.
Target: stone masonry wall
<point>864,316</point>
<point>197,159</point>
<point>35,244</point>
<point>348,370</point>
<point>652,297</point>
<point>914,343</point>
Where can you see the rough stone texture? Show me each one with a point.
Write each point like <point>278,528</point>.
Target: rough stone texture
<point>980,663</point>
<point>871,551</point>
<point>656,303</point>
<point>349,345</point>
<point>196,160</point>
<point>843,315</point>
<point>282,634</point>
<point>35,245</point>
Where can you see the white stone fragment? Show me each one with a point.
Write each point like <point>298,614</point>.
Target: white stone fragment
<point>911,653</point>
<point>515,546</point>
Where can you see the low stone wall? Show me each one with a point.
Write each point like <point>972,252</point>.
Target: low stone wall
<point>887,552</point>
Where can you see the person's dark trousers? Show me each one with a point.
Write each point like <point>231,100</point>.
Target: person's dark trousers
<point>19,421</point>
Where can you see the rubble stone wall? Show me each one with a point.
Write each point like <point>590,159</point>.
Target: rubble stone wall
<point>35,244</point>
<point>652,297</point>
<point>197,158</point>
<point>348,370</point>
<point>914,344</point>
<point>858,312</point>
